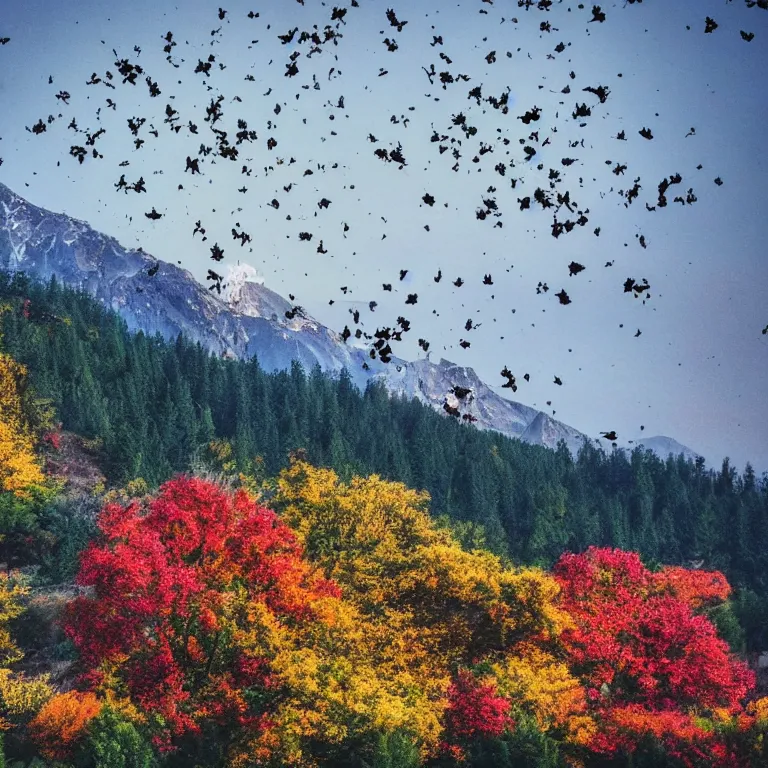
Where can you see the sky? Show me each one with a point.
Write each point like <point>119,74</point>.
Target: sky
<point>698,370</point>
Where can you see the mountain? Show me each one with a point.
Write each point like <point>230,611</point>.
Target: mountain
<point>662,446</point>
<point>247,319</point>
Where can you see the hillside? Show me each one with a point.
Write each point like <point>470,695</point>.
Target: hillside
<point>248,319</point>
<point>154,407</point>
<point>196,622</point>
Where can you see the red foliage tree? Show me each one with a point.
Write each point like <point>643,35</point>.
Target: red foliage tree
<point>475,710</point>
<point>651,664</point>
<point>177,581</point>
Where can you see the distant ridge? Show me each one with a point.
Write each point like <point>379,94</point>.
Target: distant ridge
<point>248,319</point>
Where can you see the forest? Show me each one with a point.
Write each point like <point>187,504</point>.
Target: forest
<point>279,569</point>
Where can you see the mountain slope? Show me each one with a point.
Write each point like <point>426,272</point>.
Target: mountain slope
<point>663,446</point>
<point>248,319</point>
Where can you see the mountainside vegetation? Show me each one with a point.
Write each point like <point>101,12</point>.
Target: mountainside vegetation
<point>277,569</point>
<point>152,408</point>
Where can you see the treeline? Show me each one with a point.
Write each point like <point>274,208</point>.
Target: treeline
<point>152,406</point>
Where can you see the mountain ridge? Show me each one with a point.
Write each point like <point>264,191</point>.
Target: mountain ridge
<point>248,319</point>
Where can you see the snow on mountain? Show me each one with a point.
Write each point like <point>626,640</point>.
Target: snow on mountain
<point>236,281</point>
<point>247,319</point>
<point>664,446</point>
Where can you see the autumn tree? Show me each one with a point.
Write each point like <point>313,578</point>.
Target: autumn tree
<point>432,609</point>
<point>62,723</point>
<point>21,696</point>
<point>23,486</point>
<point>19,468</point>
<point>206,619</point>
<point>655,669</point>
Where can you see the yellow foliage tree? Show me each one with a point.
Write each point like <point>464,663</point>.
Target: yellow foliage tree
<point>19,469</point>
<point>426,606</point>
<point>542,685</point>
<point>20,697</point>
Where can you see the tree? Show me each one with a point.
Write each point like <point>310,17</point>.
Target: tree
<point>427,606</point>
<point>23,486</point>
<point>652,663</point>
<point>19,467</point>
<point>184,586</point>
<point>62,723</point>
<point>115,742</point>
<point>207,620</point>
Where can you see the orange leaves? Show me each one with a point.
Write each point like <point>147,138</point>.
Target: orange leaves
<point>62,722</point>
<point>698,589</point>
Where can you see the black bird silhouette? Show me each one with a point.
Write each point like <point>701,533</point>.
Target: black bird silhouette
<point>710,25</point>
<point>216,278</point>
<point>630,285</point>
<point>154,215</point>
<point>508,375</point>
<point>612,436</point>
<point>288,37</point>
<point>597,14</point>
<point>601,91</point>
<point>748,36</point>
<point>393,20</point>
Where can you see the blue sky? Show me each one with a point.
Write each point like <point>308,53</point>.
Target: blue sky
<point>698,370</point>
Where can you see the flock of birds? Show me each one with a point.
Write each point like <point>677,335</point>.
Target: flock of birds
<point>224,134</point>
